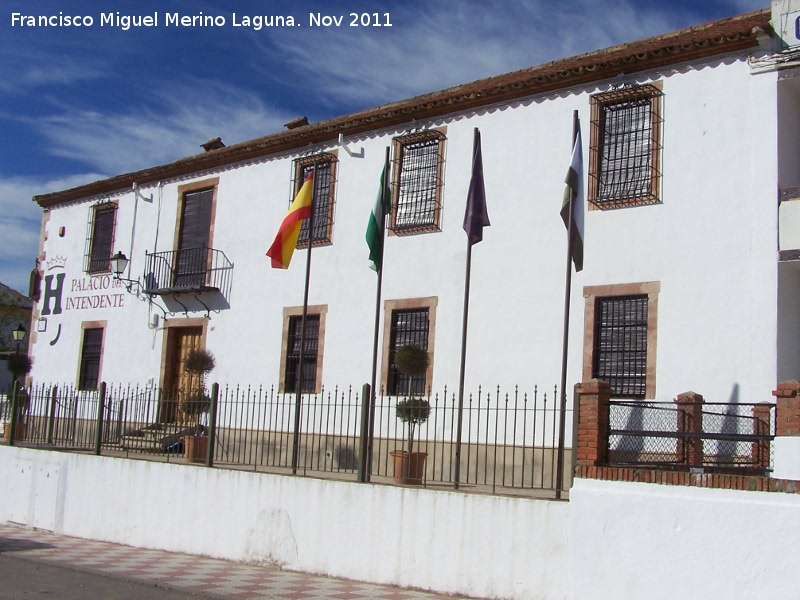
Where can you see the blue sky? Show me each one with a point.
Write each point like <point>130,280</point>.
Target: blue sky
<point>79,104</point>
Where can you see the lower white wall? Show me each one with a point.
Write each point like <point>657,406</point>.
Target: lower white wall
<point>611,540</point>
<point>449,542</point>
<point>642,540</point>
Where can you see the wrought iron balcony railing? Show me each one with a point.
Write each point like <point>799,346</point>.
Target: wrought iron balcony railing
<point>187,270</point>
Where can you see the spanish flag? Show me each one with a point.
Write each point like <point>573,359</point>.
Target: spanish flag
<point>286,239</point>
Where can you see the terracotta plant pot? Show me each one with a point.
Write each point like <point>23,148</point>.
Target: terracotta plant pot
<point>195,448</point>
<point>409,472</point>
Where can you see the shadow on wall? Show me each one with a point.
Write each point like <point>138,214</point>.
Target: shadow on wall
<point>635,422</point>
<point>196,302</point>
<point>730,424</point>
<point>346,457</point>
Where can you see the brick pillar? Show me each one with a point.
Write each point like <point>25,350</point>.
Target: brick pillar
<point>690,426</point>
<point>787,413</point>
<point>593,424</point>
<point>786,464</point>
<point>760,448</point>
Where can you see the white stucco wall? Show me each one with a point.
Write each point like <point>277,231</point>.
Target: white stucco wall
<point>457,543</point>
<point>711,244</point>
<point>639,540</point>
<point>611,540</point>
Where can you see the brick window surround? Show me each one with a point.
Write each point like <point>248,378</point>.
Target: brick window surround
<point>625,147</point>
<point>320,310</point>
<point>390,307</point>
<point>591,294</point>
<point>325,166</point>
<point>417,182</point>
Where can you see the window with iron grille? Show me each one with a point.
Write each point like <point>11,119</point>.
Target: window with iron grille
<point>625,147</point>
<point>620,344</point>
<point>310,355</point>
<point>324,167</point>
<point>100,237</point>
<point>417,183</point>
<point>91,352</point>
<point>408,326</point>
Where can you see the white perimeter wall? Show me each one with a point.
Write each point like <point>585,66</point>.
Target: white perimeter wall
<point>639,540</point>
<point>611,540</point>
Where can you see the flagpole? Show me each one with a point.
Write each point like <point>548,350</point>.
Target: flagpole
<point>367,463</point>
<point>565,342</point>
<point>457,477</point>
<point>299,377</point>
<point>465,319</point>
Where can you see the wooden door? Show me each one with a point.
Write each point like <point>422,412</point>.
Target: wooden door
<point>180,341</point>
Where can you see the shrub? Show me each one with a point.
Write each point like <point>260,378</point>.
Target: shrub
<point>413,410</point>
<point>199,362</point>
<point>412,360</point>
<point>19,365</point>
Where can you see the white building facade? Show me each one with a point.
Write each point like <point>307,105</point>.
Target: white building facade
<point>690,140</point>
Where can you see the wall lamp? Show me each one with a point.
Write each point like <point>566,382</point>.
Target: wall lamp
<point>119,262</point>
<point>19,334</point>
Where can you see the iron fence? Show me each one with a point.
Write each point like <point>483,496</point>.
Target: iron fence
<point>509,438</point>
<point>715,437</point>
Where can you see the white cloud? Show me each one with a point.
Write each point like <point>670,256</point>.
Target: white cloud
<point>27,69</point>
<point>66,73</point>
<point>172,127</point>
<point>441,44</point>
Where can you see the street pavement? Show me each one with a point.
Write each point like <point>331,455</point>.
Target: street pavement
<point>23,579</point>
<point>36,564</point>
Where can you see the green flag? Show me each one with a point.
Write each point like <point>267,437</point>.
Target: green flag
<point>377,219</point>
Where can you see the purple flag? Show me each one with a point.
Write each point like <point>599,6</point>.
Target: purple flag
<point>476,217</point>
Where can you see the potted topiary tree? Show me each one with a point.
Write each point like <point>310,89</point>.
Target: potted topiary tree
<point>409,466</point>
<point>19,365</point>
<point>196,403</point>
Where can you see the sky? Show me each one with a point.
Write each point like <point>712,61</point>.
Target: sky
<point>82,103</point>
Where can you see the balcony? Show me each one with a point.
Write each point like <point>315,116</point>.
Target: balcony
<point>187,270</point>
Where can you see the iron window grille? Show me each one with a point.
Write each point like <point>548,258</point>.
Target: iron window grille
<point>100,237</point>
<point>91,351</point>
<point>310,356</point>
<point>620,344</point>
<point>418,170</point>
<point>409,326</point>
<point>625,148</point>
<point>324,166</point>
